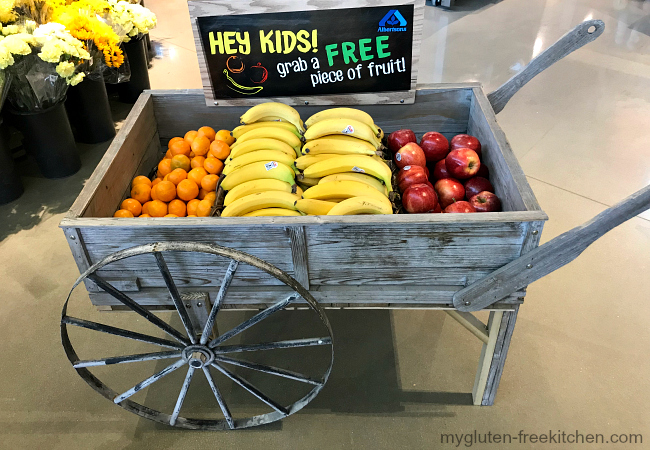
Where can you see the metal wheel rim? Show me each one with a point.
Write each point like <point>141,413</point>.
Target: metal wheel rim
<point>183,422</point>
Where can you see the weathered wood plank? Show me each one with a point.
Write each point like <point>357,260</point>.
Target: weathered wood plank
<point>506,174</point>
<point>485,360</point>
<point>568,43</point>
<point>106,186</point>
<point>223,8</point>
<point>471,323</point>
<point>501,347</point>
<point>299,255</point>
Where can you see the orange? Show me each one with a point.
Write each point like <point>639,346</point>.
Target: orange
<point>202,193</point>
<point>190,135</point>
<point>122,213</point>
<point>191,215</point>
<point>187,190</point>
<point>177,176</point>
<point>168,155</point>
<point>211,197</point>
<point>197,175</point>
<point>200,145</point>
<point>171,215</point>
<point>219,149</point>
<point>141,179</point>
<point>145,208</point>
<point>165,191</point>
<point>204,208</point>
<point>226,136</point>
<point>157,208</point>
<point>213,165</point>
<point>180,148</point>
<point>191,207</point>
<point>164,167</point>
<point>144,215</point>
<point>172,140</point>
<point>133,206</point>
<point>181,162</point>
<point>156,181</point>
<point>177,207</point>
<point>197,161</point>
<point>192,155</point>
<point>159,175</point>
<point>141,192</point>
<point>207,132</point>
<point>209,182</point>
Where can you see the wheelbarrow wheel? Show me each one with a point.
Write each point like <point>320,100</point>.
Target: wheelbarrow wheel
<point>195,350</point>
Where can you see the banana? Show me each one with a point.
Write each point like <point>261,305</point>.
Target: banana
<point>351,163</point>
<point>299,190</point>
<point>341,145</point>
<point>257,171</point>
<point>237,132</point>
<point>259,155</point>
<point>362,177</point>
<point>261,144</point>
<point>346,127</point>
<point>362,205</point>
<point>314,207</point>
<point>255,186</point>
<point>342,190</point>
<point>272,212</point>
<point>270,132</point>
<point>305,161</point>
<point>307,182</point>
<point>274,109</point>
<point>346,113</point>
<point>261,200</point>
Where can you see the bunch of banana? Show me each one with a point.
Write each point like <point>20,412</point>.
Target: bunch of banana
<point>260,173</point>
<point>345,196</point>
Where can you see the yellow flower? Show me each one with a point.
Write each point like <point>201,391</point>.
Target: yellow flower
<point>7,13</point>
<point>78,78</point>
<point>65,69</point>
<point>6,58</point>
<point>18,44</point>
<point>10,29</point>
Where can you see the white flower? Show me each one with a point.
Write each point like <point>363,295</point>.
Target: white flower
<point>65,69</point>
<point>78,78</point>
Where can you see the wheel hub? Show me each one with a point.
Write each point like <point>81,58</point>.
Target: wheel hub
<point>198,356</point>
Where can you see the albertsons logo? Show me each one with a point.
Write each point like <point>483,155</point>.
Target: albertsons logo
<point>390,20</point>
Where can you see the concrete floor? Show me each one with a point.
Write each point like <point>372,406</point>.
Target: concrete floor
<point>578,359</point>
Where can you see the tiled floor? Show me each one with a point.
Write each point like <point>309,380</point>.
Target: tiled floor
<point>579,357</point>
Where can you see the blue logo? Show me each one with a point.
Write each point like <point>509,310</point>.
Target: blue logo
<point>392,21</point>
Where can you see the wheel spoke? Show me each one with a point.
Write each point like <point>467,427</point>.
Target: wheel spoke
<point>127,301</point>
<point>120,332</point>
<point>272,345</point>
<point>220,400</point>
<point>225,284</point>
<point>252,389</point>
<point>181,395</point>
<point>176,296</point>
<point>253,320</point>
<point>149,381</point>
<point>126,359</point>
<point>269,369</point>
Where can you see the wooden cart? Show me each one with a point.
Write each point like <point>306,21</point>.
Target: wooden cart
<point>458,263</point>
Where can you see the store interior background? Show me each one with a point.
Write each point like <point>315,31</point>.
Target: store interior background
<point>579,356</point>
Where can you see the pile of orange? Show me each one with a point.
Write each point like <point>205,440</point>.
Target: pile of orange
<point>186,180</point>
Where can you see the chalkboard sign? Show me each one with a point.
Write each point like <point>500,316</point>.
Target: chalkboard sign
<point>306,54</point>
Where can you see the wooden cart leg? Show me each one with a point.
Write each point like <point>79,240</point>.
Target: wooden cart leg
<point>501,325</point>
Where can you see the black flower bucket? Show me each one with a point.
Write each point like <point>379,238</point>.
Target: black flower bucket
<point>48,138</point>
<point>137,55</point>
<point>11,186</point>
<point>90,112</point>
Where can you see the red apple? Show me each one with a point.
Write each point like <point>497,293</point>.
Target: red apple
<point>449,191</point>
<point>483,171</point>
<point>466,141</point>
<point>398,139</point>
<point>410,155</point>
<point>438,209</point>
<point>419,198</point>
<point>486,202</point>
<point>440,171</point>
<point>409,175</point>
<point>477,184</point>
<point>435,146</point>
<point>462,163</point>
<point>460,207</point>
<point>426,169</point>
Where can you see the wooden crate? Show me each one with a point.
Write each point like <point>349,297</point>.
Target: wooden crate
<point>347,261</point>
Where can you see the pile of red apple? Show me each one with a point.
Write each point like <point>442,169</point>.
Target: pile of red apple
<point>439,176</point>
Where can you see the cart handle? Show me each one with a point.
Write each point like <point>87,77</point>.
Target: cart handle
<point>548,257</point>
<point>568,43</point>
